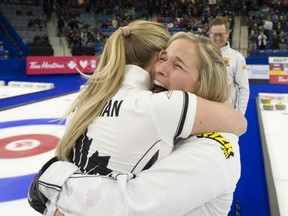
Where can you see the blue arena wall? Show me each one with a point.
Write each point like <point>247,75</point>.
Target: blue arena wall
<point>12,67</point>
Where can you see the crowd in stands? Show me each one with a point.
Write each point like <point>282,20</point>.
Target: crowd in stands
<point>267,26</point>
<point>41,46</point>
<point>9,48</point>
<point>87,26</point>
<point>28,22</point>
<point>107,16</point>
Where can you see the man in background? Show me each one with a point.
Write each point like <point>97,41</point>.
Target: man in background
<point>235,64</point>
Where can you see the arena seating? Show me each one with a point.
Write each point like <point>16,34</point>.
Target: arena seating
<point>4,53</point>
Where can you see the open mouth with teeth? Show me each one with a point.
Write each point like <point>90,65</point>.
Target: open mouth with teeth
<point>158,87</point>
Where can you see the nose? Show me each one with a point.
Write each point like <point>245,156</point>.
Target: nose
<point>162,68</point>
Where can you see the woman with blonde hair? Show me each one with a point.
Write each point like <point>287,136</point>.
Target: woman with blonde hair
<point>200,176</point>
<point>107,144</point>
<point>210,74</point>
<point>138,44</point>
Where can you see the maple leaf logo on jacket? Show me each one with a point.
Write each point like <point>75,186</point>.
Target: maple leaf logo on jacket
<point>93,164</point>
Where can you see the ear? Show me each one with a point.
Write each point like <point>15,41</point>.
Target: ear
<point>228,34</point>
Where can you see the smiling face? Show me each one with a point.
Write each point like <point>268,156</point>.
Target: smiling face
<point>193,64</point>
<point>219,35</point>
<point>178,66</point>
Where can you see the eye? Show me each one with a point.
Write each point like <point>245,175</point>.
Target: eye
<point>176,65</point>
<point>162,56</point>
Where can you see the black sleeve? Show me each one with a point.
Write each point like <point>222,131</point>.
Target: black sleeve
<point>35,198</point>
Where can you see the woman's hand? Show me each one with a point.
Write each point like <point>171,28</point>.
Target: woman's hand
<point>58,213</point>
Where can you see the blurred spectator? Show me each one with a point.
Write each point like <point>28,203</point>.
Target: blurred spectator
<point>253,38</point>
<point>282,41</point>
<point>60,26</point>
<point>160,19</point>
<point>29,13</point>
<point>170,24</point>
<point>262,41</point>
<point>115,23</point>
<point>18,12</point>
<point>73,23</point>
<point>47,8</point>
<point>275,41</point>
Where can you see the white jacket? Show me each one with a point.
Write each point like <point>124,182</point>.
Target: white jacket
<point>237,78</point>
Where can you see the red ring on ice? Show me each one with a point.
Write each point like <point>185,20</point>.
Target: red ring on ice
<point>26,145</point>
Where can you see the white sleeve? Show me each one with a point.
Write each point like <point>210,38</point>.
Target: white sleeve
<point>173,113</point>
<point>192,176</point>
<point>241,78</point>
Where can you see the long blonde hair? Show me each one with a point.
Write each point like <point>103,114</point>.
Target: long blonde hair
<point>213,81</point>
<point>140,42</point>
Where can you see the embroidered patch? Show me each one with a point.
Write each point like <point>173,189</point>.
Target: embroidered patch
<point>227,61</point>
<point>224,142</point>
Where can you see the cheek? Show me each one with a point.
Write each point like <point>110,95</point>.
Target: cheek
<point>192,86</point>
<point>176,81</point>
<point>192,83</point>
<point>186,83</point>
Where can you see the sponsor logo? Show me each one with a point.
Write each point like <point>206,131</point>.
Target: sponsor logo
<point>226,146</point>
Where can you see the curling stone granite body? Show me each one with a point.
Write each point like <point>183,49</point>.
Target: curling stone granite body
<point>268,106</point>
<point>280,106</point>
<point>265,100</point>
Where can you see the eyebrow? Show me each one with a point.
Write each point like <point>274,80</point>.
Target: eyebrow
<point>185,68</point>
<point>180,60</point>
<point>218,32</point>
<point>164,52</point>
